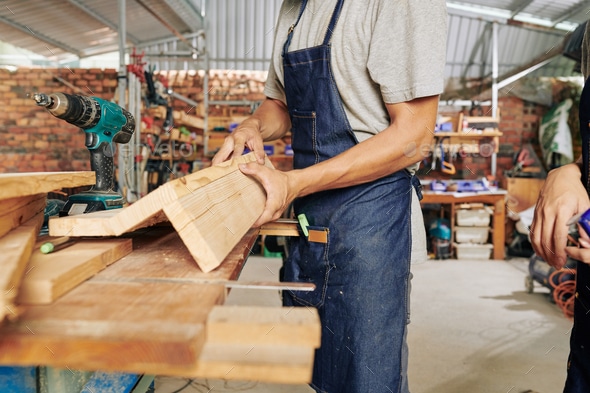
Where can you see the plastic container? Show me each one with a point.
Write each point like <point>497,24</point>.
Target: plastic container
<point>473,217</point>
<point>438,185</point>
<point>472,234</point>
<point>269,150</point>
<point>470,185</point>
<point>473,251</point>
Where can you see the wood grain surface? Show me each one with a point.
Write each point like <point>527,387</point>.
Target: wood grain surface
<point>30,183</point>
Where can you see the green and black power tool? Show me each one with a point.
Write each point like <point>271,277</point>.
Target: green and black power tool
<point>104,123</point>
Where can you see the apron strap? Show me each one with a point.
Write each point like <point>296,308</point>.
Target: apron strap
<point>290,34</point>
<point>333,21</point>
<point>329,31</point>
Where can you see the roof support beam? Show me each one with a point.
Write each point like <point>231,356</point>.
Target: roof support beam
<point>40,36</point>
<point>578,8</point>
<point>189,13</point>
<point>521,6</point>
<point>171,28</point>
<point>102,20</point>
<point>480,48</point>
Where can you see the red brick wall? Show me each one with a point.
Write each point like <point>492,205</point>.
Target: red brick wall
<point>32,140</point>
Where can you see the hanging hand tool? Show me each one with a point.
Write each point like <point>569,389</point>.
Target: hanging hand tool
<point>521,160</point>
<point>446,167</point>
<point>154,97</point>
<point>104,123</point>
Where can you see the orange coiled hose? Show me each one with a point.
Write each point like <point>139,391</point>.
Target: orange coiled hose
<point>564,290</point>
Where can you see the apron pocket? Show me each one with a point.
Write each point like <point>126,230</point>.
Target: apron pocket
<point>303,136</point>
<point>307,263</point>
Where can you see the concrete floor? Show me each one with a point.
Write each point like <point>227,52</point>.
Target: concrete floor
<point>474,330</point>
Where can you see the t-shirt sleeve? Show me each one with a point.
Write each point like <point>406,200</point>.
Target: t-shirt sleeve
<point>407,52</point>
<point>274,87</point>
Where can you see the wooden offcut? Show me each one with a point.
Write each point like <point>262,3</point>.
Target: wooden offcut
<point>275,344</point>
<point>264,325</point>
<point>211,209</point>
<point>16,247</point>
<point>51,275</point>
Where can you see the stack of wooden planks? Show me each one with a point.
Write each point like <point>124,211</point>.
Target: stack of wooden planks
<point>23,197</point>
<point>154,311</point>
<point>211,210</point>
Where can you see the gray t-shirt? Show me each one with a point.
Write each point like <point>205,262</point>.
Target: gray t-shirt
<point>383,51</point>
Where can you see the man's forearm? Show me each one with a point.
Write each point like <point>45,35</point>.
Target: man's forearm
<point>395,148</point>
<point>272,119</point>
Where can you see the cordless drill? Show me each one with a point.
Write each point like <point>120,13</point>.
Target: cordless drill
<point>104,123</point>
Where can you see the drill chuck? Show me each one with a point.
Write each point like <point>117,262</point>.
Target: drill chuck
<point>117,124</point>
<point>81,111</point>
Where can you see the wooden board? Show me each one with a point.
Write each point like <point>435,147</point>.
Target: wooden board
<point>18,210</point>
<point>31,183</point>
<point>212,219</point>
<point>17,247</point>
<point>153,328</point>
<point>146,211</point>
<point>51,275</point>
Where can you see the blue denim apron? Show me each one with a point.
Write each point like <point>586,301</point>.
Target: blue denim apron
<point>362,272</point>
<point>578,373</point>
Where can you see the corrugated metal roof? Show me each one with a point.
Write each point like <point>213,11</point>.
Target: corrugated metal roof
<point>58,28</point>
<point>239,32</point>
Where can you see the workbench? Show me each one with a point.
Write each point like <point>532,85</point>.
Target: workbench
<point>149,313</point>
<point>494,198</point>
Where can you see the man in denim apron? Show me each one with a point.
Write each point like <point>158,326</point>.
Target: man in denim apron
<point>359,195</point>
<point>549,231</point>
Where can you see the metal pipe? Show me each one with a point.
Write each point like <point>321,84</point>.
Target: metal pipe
<point>494,85</point>
<point>122,84</point>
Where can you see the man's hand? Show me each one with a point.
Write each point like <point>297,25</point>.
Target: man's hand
<point>562,197</point>
<point>278,187</point>
<point>269,122</point>
<point>247,134</point>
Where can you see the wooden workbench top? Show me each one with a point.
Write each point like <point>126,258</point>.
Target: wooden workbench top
<point>147,314</point>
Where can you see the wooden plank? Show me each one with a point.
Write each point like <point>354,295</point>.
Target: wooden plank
<point>180,117</point>
<point>280,227</point>
<point>51,275</point>
<point>160,255</point>
<point>18,210</point>
<point>146,211</point>
<point>16,248</point>
<point>212,219</point>
<point>31,183</point>
<point>264,325</point>
<point>152,328</point>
